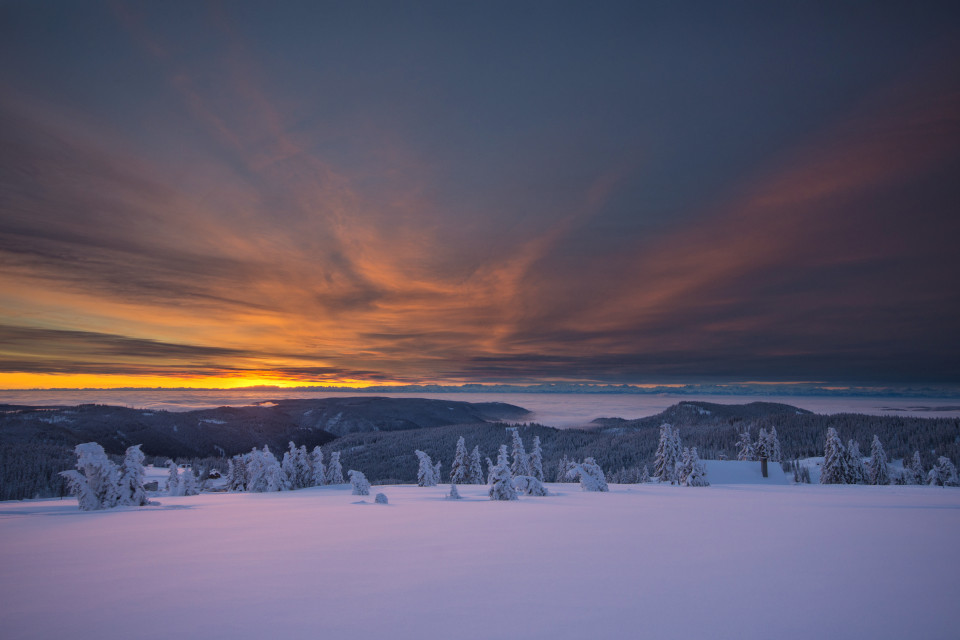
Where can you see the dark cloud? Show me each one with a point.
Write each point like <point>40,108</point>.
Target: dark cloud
<point>432,192</point>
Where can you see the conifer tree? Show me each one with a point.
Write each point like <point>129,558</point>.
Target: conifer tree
<point>773,446</point>
<point>916,474</point>
<point>131,479</point>
<point>521,464</point>
<point>304,468</point>
<point>834,469</point>
<point>536,460</point>
<point>334,469</point>
<point>476,470</point>
<point>361,486</point>
<point>761,449</point>
<point>425,473</point>
<point>563,470</point>
<point>460,469</point>
<point>591,476</point>
<point>645,476</point>
<point>879,474</point>
<point>664,465</point>
<point>253,462</point>
<point>95,481</point>
<point>271,473</point>
<point>289,467</point>
<point>856,471</point>
<point>501,480</point>
<point>745,446</point>
<point>454,494</point>
<point>173,479</point>
<point>189,485</point>
<point>697,476</point>
<point>943,473</point>
<point>319,469</point>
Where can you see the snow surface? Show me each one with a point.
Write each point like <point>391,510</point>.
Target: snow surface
<point>730,561</point>
<point>744,472</point>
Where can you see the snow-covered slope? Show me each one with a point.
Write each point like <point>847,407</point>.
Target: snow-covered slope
<point>730,561</point>
<point>742,472</point>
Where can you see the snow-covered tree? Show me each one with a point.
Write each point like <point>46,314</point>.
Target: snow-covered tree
<point>645,475</point>
<point>761,449</point>
<point>95,482</point>
<point>564,467</point>
<point>436,471</point>
<point>773,446</point>
<point>745,446</point>
<point>173,479</point>
<point>361,487</point>
<point>335,469</point>
<point>490,467</point>
<point>460,469</point>
<point>304,467</point>
<point>381,498</point>
<point>856,471</point>
<point>501,480</point>
<point>521,464</point>
<point>189,485</point>
<point>696,475</point>
<point>237,474</point>
<point>536,460</point>
<point>289,467</point>
<point>684,467</point>
<point>454,494</point>
<point>130,486</point>
<point>425,473</point>
<point>319,469</point>
<point>476,470</point>
<point>265,473</point>
<point>879,474</point>
<point>834,469</point>
<point>915,473</point>
<point>668,455</point>
<point>529,486</point>
<point>591,476</point>
<point>943,474</point>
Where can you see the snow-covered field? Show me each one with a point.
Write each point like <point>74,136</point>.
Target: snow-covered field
<point>726,561</point>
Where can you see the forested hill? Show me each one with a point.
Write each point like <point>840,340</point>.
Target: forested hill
<point>701,414</point>
<point>231,430</point>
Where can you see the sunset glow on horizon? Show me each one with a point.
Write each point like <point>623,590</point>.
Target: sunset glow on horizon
<point>390,193</point>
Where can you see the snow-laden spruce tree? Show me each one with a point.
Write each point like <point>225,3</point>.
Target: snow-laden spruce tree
<point>501,480</point>
<point>130,485</point>
<point>529,486</point>
<point>761,449</point>
<point>669,451</point>
<point>237,473</point>
<point>564,467</point>
<point>436,471</point>
<point>476,469</point>
<point>361,487</point>
<point>304,467</point>
<point>590,475</point>
<point>834,469</point>
<point>335,469</point>
<point>943,474</point>
<point>173,479</point>
<point>272,475</point>
<point>856,471</point>
<point>684,467</point>
<point>319,469</point>
<point>645,475</point>
<point>490,467</point>
<point>773,446</point>
<point>425,473</point>
<point>189,484</point>
<point>460,469</point>
<point>915,473</point>
<point>697,471</point>
<point>521,464</point>
<point>745,446</point>
<point>288,467</point>
<point>454,493</point>
<point>95,480</point>
<point>253,462</point>
<point>879,474</point>
<point>536,460</point>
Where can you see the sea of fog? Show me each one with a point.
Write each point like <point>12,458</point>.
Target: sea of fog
<point>555,409</point>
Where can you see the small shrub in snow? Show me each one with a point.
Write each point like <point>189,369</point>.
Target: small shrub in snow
<point>361,487</point>
<point>381,498</point>
<point>454,494</point>
<point>501,480</point>
<point>529,486</point>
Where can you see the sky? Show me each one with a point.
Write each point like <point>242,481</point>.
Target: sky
<point>369,193</point>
